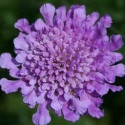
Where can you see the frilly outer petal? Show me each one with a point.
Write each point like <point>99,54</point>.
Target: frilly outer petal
<point>41,117</point>
<point>9,86</point>
<point>48,10</point>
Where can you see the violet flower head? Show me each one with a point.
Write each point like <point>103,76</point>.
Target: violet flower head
<point>65,63</point>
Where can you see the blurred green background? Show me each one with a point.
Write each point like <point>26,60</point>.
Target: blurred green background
<point>12,109</point>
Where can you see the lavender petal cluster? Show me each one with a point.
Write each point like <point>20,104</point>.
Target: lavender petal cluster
<point>65,62</point>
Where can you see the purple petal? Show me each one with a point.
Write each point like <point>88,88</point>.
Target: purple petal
<point>98,76</point>
<point>20,58</point>
<point>95,111</point>
<point>69,115</point>
<point>102,89</point>
<point>9,86</point>
<point>40,25</point>
<point>67,96</point>
<point>31,39</point>
<point>60,17</point>
<point>41,98</point>
<point>113,71</point>
<point>93,18</point>
<point>115,42</point>
<point>97,101</point>
<point>13,72</point>
<point>25,89</point>
<point>75,6</point>
<point>23,25</point>
<point>119,70</point>
<point>45,86</point>
<point>70,12</point>
<point>115,88</point>
<point>48,10</point>
<point>85,99</point>
<point>50,94</point>
<point>61,13</point>
<point>115,57</point>
<point>30,98</point>
<point>41,117</point>
<point>79,14</point>
<point>90,87</point>
<point>101,30</point>
<point>68,24</point>
<point>110,76</point>
<point>32,81</point>
<point>77,106</point>
<point>106,21</point>
<point>20,43</point>
<point>4,59</point>
<point>55,104</point>
<point>76,11</point>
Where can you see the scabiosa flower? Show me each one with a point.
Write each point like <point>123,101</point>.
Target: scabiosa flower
<point>65,63</point>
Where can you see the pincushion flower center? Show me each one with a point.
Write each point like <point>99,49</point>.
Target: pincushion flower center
<point>55,59</point>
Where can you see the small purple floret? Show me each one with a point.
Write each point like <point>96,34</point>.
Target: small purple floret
<point>65,63</point>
